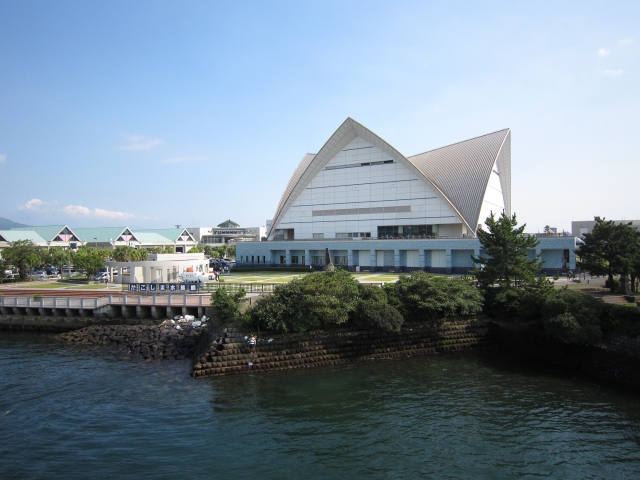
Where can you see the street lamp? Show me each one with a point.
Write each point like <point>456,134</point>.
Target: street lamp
<point>96,239</point>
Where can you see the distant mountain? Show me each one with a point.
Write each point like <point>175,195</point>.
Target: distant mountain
<point>6,224</point>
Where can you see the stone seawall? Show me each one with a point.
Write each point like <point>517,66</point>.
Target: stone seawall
<point>617,360</point>
<point>63,324</point>
<point>227,353</point>
<point>151,342</point>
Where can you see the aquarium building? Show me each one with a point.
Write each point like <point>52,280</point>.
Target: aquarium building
<point>376,209</point>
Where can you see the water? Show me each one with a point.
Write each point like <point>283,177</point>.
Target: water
<point>83,412</point>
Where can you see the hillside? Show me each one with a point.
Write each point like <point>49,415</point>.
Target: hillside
<point>6,224</point>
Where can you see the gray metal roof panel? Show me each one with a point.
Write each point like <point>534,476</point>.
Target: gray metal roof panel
<point>461,171</point>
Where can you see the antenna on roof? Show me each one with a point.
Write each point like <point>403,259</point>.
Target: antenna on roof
<point>177,226</point>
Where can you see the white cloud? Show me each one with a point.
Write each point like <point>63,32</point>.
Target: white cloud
<point>181,159</point>
<point>140,142</point>
<point>3,158</point>
<point>613,73</point>
<point>34,205</point>
<point>604,52</point>
<point>80,211</point>
<point>627,41</point>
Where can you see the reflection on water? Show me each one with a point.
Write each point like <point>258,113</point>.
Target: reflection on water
<point>74,412</point>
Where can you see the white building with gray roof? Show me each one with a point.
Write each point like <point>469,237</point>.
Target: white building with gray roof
<point>375,208</point>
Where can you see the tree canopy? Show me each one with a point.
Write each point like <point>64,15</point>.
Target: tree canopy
<point>506,261</point>
<point>611,249</point>
<point>24,255</point>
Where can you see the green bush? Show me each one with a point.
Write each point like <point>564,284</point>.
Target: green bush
<point>373,311</point>
<point>573,317</point>
<point>612,284</point>
<point>423,297</point>
<point>227,306</point>
<point>317,300</point>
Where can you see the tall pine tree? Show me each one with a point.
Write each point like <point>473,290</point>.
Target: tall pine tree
<point>507,261</point>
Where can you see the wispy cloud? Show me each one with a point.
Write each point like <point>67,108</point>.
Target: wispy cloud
<point>79,211</point>
<point>140,142</point>
<point>34,205</point>
<point>3,158</point>
<point>613,73</point>
<point>626,41</point>
<point>182,159</point>
<point>604,52</point>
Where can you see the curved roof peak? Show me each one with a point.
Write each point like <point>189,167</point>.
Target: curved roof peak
<point>460,172</point>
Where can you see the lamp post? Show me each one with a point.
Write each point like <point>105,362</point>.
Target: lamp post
<point>96,239</point>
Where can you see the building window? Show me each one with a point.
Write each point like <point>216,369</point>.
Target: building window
<point>252,259</point>
<point>318,235</point>
<point>340,260</point>
<point>354,235</point>
<point>294,259</point>
<point>283,259</point>
<point>317,260</point>
<point>263,260</point>
<point>403,231</point>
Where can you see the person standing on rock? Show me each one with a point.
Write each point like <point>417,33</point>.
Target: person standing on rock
<point>252,344</point>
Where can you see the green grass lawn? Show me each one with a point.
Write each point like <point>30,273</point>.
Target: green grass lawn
<point>277,277</point>
<point>42,285</point>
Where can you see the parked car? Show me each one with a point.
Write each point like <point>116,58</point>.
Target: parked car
<point>52,270</point>
<point>101,277</point>
<point>9,277</point>
<point>38,276</point>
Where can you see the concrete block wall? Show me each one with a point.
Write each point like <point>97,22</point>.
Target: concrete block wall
<point>231,355</point>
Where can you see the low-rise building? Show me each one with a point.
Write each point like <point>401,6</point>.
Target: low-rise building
<point>225,233</point>
<point>580,227</point>
<point>159,268</point>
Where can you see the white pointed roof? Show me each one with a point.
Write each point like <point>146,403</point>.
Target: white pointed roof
<point>460,172</point>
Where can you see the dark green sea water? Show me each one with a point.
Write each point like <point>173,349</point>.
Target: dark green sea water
<point>81,412</point>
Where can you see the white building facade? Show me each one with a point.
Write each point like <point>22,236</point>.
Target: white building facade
<point>377,209</point>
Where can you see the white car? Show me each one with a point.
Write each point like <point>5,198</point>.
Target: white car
<point>38,276</point>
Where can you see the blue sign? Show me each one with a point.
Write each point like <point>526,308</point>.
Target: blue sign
<point>193,287</point>
<point>182,287</point>
<point>162,287</point>
<point>172,287</point>
<point>153,287</point>
<point>143,287</point>
<point>133,287</point>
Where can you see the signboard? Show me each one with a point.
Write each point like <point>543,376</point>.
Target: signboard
<point>164,287</point>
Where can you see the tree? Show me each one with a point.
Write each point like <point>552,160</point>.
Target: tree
<point>373,311</point>
<point>317,300</point>
<point>227,306</point>
<point>231,251</point>
<point>24,255</point>
<point>156,249</point>
<point>169,249</point>
<point>506,275</point>
<point>611,249</point>
<point>424,297</point>
<point>507,262</point>
<point>220,251</point>
<point>196,249</point>
<point>90,259</point>
<point>57,257</point>
<point>208,251</point>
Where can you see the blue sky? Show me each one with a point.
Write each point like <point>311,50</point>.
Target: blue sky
<point>150,114</point>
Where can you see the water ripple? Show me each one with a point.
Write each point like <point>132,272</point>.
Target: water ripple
<point>72,412</point>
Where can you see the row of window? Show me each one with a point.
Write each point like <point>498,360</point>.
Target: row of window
<point>407,230</point>
<point>354,235</point>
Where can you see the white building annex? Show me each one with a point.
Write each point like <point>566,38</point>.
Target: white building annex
<point>376,209</point>
<point>359,186</point>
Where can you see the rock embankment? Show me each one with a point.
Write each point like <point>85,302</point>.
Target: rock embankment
<point>228,353</point>
<point>154,342</point>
